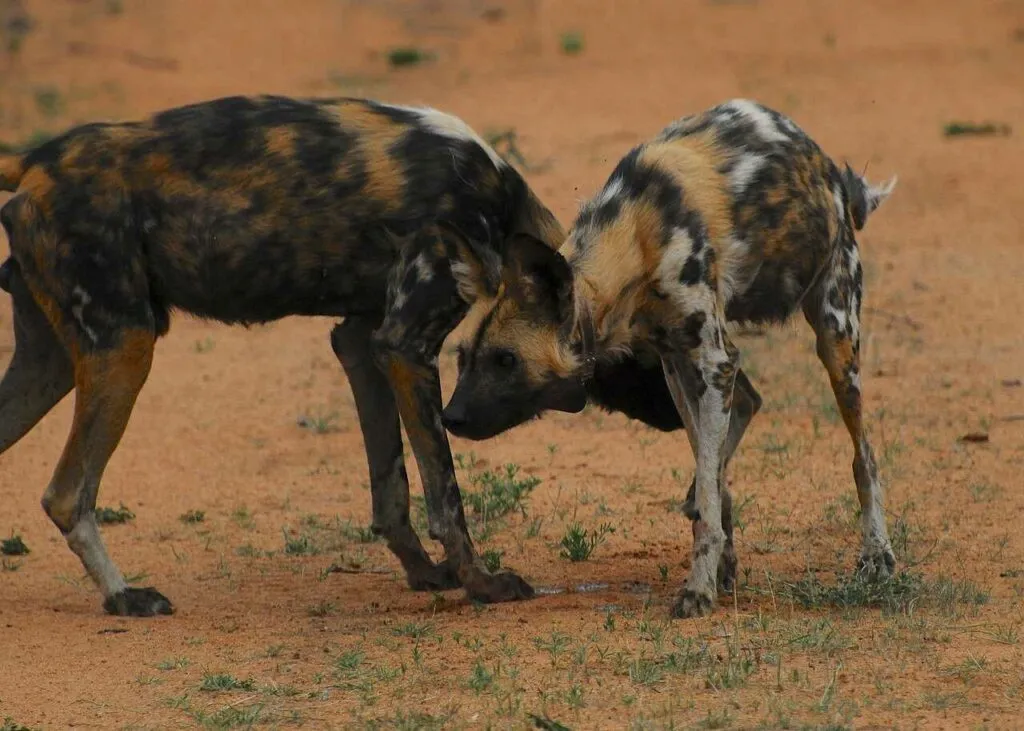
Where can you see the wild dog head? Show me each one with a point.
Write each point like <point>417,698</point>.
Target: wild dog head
<point>519,359</point>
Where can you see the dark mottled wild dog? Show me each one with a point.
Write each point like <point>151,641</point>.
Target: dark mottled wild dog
<point>734,214</point>
<point>246,210</point>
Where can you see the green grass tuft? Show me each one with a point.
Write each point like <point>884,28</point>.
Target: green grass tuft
<point>13,546</point>
<point>114,516</point>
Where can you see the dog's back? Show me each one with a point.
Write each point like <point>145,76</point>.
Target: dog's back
<point>248,209</point>
<point>738,196</point>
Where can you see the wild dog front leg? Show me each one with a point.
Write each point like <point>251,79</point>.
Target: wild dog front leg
<point>745,405</point>
<point>716,360</point>
<point>423,308</point>
<point>107,384</point>
<point>382,437</point>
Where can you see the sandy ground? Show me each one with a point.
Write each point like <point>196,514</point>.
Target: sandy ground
<point>267,637</point>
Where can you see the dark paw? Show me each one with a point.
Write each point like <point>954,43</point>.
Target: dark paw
<point>133,602</point>
<point>503,586</point>
<point>691,604</point>
<point>877,564</point>
<point>438,577</point>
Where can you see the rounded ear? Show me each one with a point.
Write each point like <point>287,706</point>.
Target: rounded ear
<point>477,270</point>
<point>540,274</point>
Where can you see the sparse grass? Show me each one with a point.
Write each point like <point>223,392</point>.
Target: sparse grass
<point>480,678</point>
<point>192,517</point>
<point>408,56</point>
<point>9,724</point>
<point>492,560</point>
<point>242,517</point>
<point>322,609</point>
<point>114,516</point>
<point>217,682</point>
<point>14,546</point>
<point>499,493</point>
<point>359,533</point>
<point>414,630</point>
<point>975,129</point>
<point>579,543</point>
<point>49,101</point>
<point>299,545</point>
<point>320,422</point>
<point>571,43</point>
<point>900,593</point>
<point>173,663</point>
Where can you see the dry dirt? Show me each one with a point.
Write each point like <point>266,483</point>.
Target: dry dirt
<point>268,636</point>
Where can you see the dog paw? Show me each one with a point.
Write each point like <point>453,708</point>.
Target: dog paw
<point>137,602</point>
<point>437,577</point>
<point>691,604</point>
<point>503,586</point>
<point>878,563</point>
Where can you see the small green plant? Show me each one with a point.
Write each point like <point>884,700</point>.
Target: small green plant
<point>321,609</point>
<point>492,560</point>
<point>322,422</point>
<point>114,7</point>
<point>983,129</point>
<point>114,516</point>
<point>299,545</point>
<point>10,725</point>
<point>663,570</point>
<point>359,533</point>
<point>214,682</point>
<point>13,546</point>
<point>501,492</point>
<point>49,101</point>
<point>480,679</point>
<point>408,56</point>
<point>415,630</point>
<point>173,663</point>
<point>192,517</point>
<point>204,346</point>
<point>349,660</point>
<point>579,543</point>
<point>572,43</point>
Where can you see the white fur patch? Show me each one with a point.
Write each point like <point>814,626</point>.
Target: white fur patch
<point>611,191</point>
<point>456,129</point>
<point>744,171</point>
<point>673,260</point>
<point>81,299</point>
<point>878,193</point>
<point>84,539</point>
<point>424,272</point>
<point>763,122</point>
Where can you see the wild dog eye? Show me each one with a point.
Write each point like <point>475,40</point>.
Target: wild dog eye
<point>506,359</point>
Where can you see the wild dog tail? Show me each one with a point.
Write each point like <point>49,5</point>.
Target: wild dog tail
<point>12,167</point>
<point>864,197</point>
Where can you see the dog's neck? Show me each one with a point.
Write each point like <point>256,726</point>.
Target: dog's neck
<point>599,331</point>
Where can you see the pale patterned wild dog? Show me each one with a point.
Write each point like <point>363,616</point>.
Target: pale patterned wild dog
<point>733,214</point>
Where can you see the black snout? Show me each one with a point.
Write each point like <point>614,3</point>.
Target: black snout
<point>454,419</point>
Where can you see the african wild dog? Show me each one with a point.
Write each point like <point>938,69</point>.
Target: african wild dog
<point>246,210</point>
<point>734,214</point>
